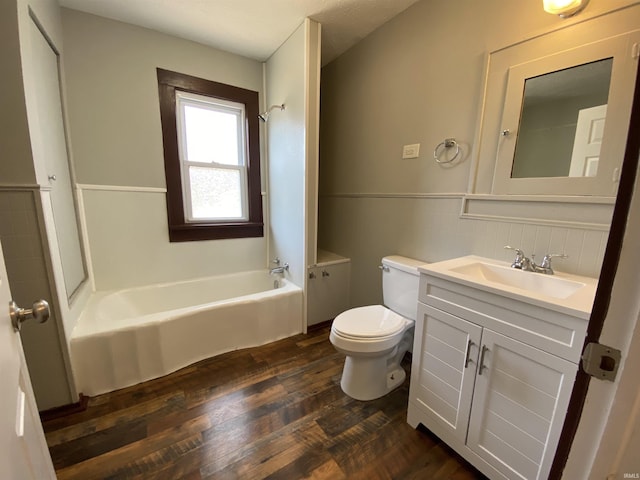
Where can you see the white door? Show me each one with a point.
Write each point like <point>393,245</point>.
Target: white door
<point>519,404</point>
<point>24,453</point>
<point>50,149</point>
<point>442,385</point>
<point>618,456</point>
<point>629,461</point>
<point>587,142</point>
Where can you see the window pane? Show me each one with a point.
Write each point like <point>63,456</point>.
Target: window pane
<point>215,193</point>
<point>211,135</point>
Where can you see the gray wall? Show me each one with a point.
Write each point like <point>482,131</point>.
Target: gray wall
<point>110,69</point>
<point>15,143</point>
<point>418,79</point>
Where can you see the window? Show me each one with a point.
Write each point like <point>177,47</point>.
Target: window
<point>212,158</point>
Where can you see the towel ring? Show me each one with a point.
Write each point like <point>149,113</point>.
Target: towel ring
<point>446,143</point>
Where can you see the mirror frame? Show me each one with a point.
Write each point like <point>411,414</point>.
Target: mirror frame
<point>623,73</point>
<point>567,35</point>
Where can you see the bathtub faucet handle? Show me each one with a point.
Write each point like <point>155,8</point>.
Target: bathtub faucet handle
<point>276,261</point>
<point>282,269</point>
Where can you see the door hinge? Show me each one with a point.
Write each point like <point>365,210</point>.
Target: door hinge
<point>635,51</point>
<point>601,361</point>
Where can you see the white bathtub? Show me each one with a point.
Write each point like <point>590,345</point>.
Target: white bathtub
<point>129,336</point>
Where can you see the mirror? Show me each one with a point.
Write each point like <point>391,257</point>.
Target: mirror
<point>562,122</point>
<point>532,106</point>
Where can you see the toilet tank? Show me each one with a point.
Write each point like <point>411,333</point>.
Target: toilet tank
<point>400,283</point>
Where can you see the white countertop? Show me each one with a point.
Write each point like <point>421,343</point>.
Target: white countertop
<point>578,303</point>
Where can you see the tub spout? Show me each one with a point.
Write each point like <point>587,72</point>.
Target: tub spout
<point>282,269</point>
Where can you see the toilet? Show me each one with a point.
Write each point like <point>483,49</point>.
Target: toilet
<point>376,337</point>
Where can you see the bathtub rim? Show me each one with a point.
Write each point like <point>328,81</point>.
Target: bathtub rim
<point>89,328</point>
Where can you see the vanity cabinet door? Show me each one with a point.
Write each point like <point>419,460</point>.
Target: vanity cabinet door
<point>444,366</point>
<point>520,401</point>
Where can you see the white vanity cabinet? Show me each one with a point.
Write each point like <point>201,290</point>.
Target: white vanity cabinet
<point>492,376</point>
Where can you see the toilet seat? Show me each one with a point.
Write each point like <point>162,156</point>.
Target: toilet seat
<point>373,322</point>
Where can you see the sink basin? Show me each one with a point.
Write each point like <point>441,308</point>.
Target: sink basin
<point>565,293</point>
<point>530,281</point>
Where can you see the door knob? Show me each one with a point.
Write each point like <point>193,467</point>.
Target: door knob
<point>39,312</point>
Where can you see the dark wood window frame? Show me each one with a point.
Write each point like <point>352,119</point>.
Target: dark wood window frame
<point>180,230</point>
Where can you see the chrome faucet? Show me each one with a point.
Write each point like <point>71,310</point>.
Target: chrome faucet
<point>545,266</point>
<point>279,268</point>
<point>282,269</point>
<point>521,262</point>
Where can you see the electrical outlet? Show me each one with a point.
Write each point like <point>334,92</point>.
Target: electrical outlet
<point>411,151</point>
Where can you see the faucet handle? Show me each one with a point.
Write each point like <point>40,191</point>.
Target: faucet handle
<point>520,259</point>
<point>276,261</point>
<point>546,260</point>
<point>545,266</point>
<point>517,250</point>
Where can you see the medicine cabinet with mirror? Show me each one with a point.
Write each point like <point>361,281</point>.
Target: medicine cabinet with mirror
<point>554,130</point>
<point>554,119</point>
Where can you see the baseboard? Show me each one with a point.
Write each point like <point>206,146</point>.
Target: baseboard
<point>319,326</point>
<point>64,410</point>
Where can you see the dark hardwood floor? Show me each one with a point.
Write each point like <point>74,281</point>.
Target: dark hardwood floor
<point>275,411</point>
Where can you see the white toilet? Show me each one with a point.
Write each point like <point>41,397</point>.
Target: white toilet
<point>376,337</point>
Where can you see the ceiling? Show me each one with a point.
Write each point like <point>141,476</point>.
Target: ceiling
<point>252,28</point>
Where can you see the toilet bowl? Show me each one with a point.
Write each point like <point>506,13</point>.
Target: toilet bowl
<point>376,337</point>
<point>374,340</point>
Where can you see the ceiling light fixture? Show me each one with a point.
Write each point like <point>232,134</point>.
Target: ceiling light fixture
<point>564,8</point>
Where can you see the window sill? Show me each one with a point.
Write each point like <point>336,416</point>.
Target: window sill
<point>214,231</point>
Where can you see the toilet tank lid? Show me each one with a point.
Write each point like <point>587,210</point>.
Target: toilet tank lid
<point>406,264</point>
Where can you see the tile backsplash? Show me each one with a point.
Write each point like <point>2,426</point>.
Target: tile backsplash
<point>487,238</point>
<point>584,247</point>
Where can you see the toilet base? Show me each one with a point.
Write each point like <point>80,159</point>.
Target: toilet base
<point>395,378</point>
<point>364,377</point>
<point>361,378</point>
